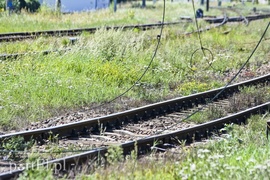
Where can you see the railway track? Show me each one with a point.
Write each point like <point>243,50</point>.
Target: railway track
<point>146,112</point>
<point>19,36</point>
<point>146,144</point>
<point>8,37</point>
<point>126,138</point>
<point>144,141</point>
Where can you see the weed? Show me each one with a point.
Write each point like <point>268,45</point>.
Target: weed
<point>134,153</point>
<point>101,66</point>
<point>101,129</point>
<point>15,145</point>
<point>53,138</point>
<point>37,173</point>
<point>131,14</point>
<point>249,97</point>
<point>114,154</point>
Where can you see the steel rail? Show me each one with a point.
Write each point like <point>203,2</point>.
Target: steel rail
<point>144,145</point>
<point>237,19</point>
<point>115,120</point>
<point>72,32</point>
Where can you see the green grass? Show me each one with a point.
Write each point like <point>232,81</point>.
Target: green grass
<point>98,68</point>
<point>46,19</point>
<point>101,66</point>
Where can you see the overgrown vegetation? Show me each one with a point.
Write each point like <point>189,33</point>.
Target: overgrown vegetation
<point>15,148</point>
<point>241,154</point>
<point>248,97</point>
<point>101,66</point>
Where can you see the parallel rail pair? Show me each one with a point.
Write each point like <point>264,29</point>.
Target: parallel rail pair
<point>144,145</point>
<point>85,127</point>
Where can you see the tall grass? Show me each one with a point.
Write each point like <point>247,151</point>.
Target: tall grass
<point>99,67</point>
